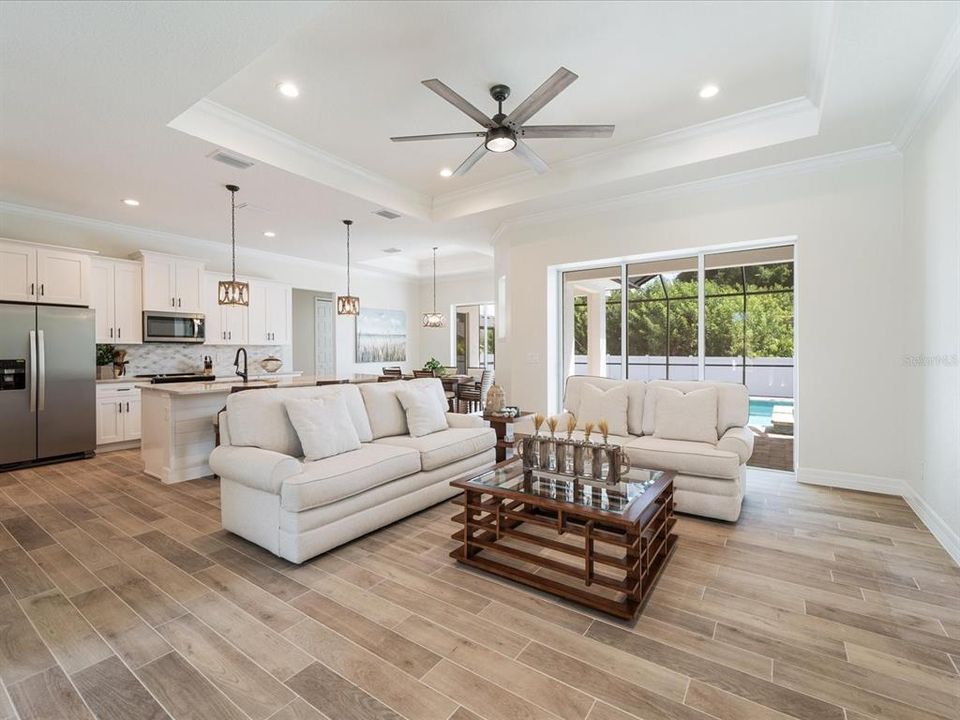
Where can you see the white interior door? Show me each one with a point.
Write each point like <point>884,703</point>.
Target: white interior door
<point>325,338</point>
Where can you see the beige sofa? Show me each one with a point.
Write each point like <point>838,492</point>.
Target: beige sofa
<point>710,476</point>
<point>298,509</point>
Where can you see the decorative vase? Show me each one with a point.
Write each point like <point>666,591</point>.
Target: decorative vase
<point>271,364</point>
<point>495,399</point>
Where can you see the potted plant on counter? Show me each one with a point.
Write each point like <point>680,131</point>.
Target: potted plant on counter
<point>435,366</point>
<point>104,362</point>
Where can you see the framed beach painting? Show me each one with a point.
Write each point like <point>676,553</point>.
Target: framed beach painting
<point>381,335</point>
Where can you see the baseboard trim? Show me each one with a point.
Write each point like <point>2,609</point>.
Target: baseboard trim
<point>851,481</point>
<point>945,535</point>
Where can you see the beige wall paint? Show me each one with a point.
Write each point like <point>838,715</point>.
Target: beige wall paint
<point>848,223</point>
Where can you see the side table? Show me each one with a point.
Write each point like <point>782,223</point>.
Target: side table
<point>500,425</point>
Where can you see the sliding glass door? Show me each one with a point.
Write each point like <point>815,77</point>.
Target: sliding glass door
<point>592,318</point>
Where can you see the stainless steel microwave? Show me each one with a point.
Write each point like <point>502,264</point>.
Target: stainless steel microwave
<point>173,327</point>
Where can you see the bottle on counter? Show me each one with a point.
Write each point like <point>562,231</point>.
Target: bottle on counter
<point>207,365</point>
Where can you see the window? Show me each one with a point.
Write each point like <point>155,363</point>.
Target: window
<point>592,322</point>
<point>476,331</point>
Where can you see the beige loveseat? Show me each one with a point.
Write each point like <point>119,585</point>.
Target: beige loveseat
<point>297,509</point>
<point>710,477</point>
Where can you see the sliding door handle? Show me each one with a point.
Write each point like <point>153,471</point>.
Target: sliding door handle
<point>33,371</point>
<point>41,370</point>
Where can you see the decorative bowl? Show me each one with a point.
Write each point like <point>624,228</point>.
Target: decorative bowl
<point>271,364</point>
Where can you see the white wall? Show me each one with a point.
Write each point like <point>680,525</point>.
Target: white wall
<point>848,222</point>
<point>376,290</point>
<point>931,289</point>
<point>452,290</point>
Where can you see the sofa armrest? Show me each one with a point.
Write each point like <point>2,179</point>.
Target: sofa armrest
<point>259,469</point>
<point>458,420</point>
<point>738,440</point>
<point>524,425</point>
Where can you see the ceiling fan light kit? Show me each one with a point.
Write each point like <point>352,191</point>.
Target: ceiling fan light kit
<point>504,133</point>
<point>348,304</point>
<point>233,292</point>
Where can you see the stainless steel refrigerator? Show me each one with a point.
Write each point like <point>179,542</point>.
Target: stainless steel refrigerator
<point>47,383</point>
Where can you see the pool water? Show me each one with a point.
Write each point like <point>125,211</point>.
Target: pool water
<point>761,409</point>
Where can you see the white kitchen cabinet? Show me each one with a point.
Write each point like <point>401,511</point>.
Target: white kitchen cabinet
<point>118,413</point>
<point>171,283</point>
<point>116,296</point>
<point>36,273</point>
<point>270,313</point>
<point>225,324</point>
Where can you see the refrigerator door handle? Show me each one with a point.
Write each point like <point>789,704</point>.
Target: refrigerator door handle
<point>33,371</point>
<point>41,373</point>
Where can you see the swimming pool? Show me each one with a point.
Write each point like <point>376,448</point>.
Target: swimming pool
<point>762,408</point>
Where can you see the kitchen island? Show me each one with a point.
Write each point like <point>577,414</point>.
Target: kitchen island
<point>177,419</point>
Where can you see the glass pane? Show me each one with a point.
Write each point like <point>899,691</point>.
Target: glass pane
<point>770,326</point>
<point>729,372</point>
<point>683,339</point>
<point>723,281</point>
<point>724,326</point>
<point>681,285</point>
<point>591,322</point>
<point>773,276</point>
<point>771,380</point>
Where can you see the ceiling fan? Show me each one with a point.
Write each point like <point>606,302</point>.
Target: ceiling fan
<point>505,133</point>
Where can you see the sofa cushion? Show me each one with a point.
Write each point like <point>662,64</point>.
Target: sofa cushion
<point>334,478</point>
<point>687,416</point>
<point>690,458</point>
<point>603,404</point>
<point>447,446</point>
<point>733,403</point>
<point>426,413</point>
<point>636,390</point>
<point>258,418</point>
<point>323,426</point>
<point>384,410</point>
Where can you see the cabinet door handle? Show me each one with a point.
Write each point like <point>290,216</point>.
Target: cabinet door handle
<point>173,302</point>
<point>178,302</point>
<point>128,407</point>
<point>119,407</point>
<point>118,333</point>
<point>230,335</point>
<point>111,332</point>
<point>32,285</point>
<point>41,288</point>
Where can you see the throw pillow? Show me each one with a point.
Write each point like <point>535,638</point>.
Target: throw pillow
<point>691,416</point>
<point>323,425</point>
<point>426,413</point>
<point>609,405</point>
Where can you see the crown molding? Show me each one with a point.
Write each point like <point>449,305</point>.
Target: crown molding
<point>944,67</point>
<point>163,236</point>
<point>217,124</point>
<point>811,164</point>
<point>761,127</point>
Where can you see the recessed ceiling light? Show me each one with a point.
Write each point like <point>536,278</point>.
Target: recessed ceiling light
<point>131,202</point>
<point>269,233</point>
<point>288,89</point>
<point>708,91</point>
<point>446,172</point>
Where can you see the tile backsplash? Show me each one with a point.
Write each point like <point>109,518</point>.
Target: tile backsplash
<point>183,357</point>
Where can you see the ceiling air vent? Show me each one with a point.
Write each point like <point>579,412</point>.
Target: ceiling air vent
<point>388,214</point>
<point>392,250</point>
<point>235,161</point>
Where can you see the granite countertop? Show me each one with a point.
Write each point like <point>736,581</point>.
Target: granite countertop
<point>220,378</point>
<point>223,387</point>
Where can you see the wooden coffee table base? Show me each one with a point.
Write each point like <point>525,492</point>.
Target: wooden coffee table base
<point>567,553</point>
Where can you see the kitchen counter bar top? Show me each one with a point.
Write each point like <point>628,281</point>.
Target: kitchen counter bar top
<point>223,386</point>
<point>220,378</point>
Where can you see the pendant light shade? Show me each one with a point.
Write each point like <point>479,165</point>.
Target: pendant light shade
<point>348,304</point>
<point>434,319</point>
<point>232,292</point>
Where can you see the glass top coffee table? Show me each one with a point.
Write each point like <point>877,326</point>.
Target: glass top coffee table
<point>598,545</point>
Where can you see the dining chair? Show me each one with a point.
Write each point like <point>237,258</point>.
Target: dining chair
<point>393,371</point>
<point>424,373</point>
<point>474,396</point>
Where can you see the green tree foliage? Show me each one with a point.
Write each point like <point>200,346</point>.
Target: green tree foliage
<point>737,322</point>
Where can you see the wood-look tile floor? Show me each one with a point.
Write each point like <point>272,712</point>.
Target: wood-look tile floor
<point>123,599</point>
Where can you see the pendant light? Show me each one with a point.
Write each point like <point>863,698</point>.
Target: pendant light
<point>348,304</point>
<point>231,292</point>
<point>434,319</point>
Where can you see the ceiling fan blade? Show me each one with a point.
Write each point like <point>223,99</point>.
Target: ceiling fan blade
<point>438,136</point>
<point>551,87</point>
<point>470,161</point>
<point>526,153</point>
<point>458,102</point>
<point>566,131</point>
